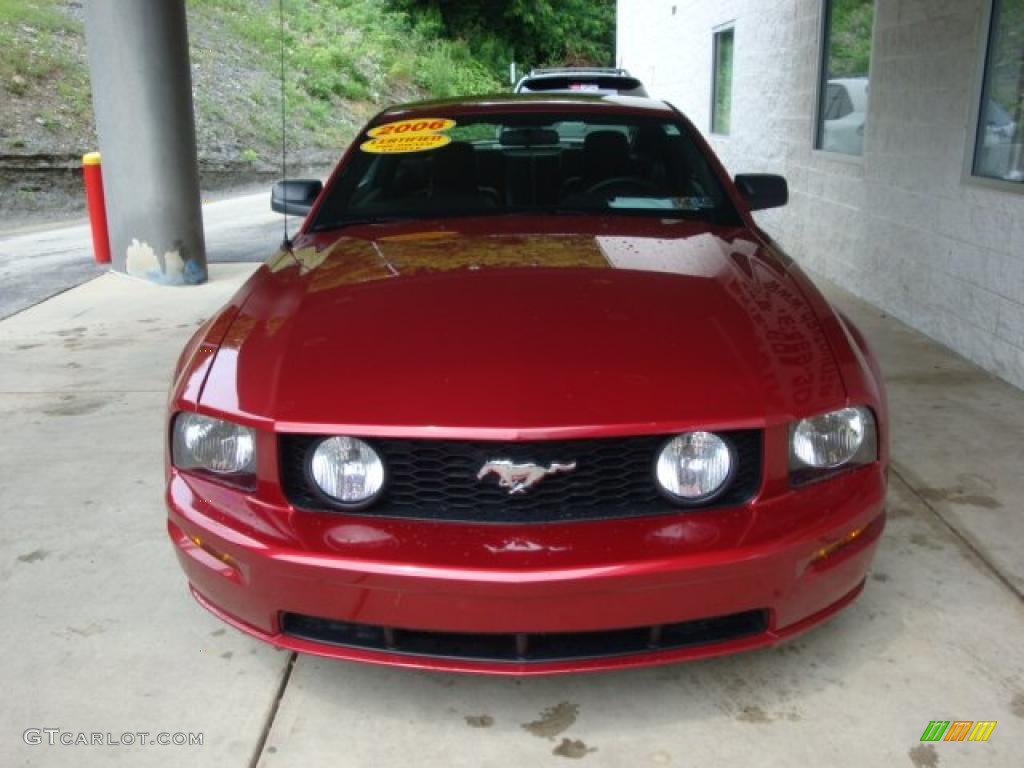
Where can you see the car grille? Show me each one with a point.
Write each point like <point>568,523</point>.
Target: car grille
<point>526,647</point>
<point>437,479</point>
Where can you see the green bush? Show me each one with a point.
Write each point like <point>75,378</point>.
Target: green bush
<point>532,32</point>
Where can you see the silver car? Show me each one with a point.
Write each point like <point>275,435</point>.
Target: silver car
<point>844,109</point>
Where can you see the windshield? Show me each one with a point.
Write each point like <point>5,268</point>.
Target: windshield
<point>490,164</point>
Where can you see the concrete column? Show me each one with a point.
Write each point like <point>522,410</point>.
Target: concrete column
<point>142,97</point>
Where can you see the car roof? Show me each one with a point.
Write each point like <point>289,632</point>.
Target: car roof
<point>563,80</point>
<point>855,82</point>
<point>556,71</point>
<point>532,102</point>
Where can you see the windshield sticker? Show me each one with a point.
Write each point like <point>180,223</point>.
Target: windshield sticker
<point>416,135</point>
<point>392,145</point>
<point>415,126</point>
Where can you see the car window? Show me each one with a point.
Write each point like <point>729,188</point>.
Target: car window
<point>525,163</point>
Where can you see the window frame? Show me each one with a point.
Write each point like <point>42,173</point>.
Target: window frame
<point>821,86</point>
<point>729,26</point>
<point>978,94</point>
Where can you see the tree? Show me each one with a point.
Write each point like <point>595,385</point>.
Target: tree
<point>532,32</point>
<point>849,52</point>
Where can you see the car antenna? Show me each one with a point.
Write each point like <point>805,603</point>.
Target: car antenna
<point>286,244</point>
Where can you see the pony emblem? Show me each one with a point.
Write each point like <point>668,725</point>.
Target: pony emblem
<point>519,478</point>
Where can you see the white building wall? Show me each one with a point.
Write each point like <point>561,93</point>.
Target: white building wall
<point>901,226</point>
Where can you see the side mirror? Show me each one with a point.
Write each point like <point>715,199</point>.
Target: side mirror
<point>295,195</point>
<point>763,190</point>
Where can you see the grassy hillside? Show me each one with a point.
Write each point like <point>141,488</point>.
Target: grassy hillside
<point>44,84</point>
<point>345,59</point>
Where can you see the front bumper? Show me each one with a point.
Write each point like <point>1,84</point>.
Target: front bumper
<point>791,557</point>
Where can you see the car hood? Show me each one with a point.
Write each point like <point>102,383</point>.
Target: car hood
<point>398,330</point>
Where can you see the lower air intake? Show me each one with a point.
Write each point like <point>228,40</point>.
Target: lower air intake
<point>526,647</point>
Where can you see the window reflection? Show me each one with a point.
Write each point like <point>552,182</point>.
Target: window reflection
<point>721,101</point>
<point>1000,143</point>
<point>846,60</point>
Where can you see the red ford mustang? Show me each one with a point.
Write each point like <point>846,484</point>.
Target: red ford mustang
<point>530,392</point>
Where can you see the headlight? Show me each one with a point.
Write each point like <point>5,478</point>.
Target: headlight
<point>694,466</point>
<point>213,445</point>
<point>347,470</point>
<point>832,441</point>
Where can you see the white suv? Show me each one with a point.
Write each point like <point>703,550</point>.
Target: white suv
<point>601,80</point>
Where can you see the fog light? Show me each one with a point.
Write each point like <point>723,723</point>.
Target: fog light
<point>347,470</point>
<point>694,467</point>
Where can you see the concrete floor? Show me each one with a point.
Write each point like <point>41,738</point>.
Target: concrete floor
<point>40,261</point>
<point>99,634</point>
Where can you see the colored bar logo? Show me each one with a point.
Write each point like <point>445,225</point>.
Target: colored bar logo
<point>958,730</point>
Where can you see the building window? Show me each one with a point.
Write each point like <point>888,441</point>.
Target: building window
<point>845,68</point>
<point>721,85</point>
<point>999,147</point>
